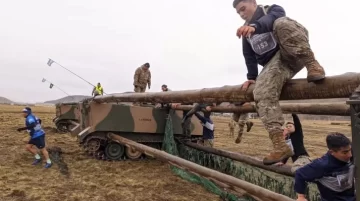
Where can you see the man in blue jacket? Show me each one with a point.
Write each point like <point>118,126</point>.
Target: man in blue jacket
<point>37,137</point>
<point>281,46</point>
<point>333,173</point>
<point>208,128</point>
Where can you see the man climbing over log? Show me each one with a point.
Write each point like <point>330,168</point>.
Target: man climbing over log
<point>208,129</point>
<point>241,119</point>
<point>281,46</point>
<point>333,172</point>
<point>294,137</point>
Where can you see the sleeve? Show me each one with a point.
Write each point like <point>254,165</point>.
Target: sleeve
<point>136,77</point>
<point>31,123</point>
<point>265,23</point>
<point>308,173</point>
<point>149,79</point>
<point>201,118</point>
<point>250,60</point>
<point>297,123</point>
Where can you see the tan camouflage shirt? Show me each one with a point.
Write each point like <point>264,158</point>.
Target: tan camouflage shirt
<point>141,77</point>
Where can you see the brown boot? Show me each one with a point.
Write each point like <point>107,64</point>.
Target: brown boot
<point>249,124</point>
<point>315,72</point>
<point>281,150</point>
<point>239,138</point>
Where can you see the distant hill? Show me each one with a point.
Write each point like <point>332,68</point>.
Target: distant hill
<point>75,98</point>
<point>4,100</point>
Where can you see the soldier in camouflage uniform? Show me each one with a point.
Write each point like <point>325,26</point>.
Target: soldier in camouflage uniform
<point>142,77</point>
<point>232,125</point>
<point>242,119</point>
<point>281,46</point>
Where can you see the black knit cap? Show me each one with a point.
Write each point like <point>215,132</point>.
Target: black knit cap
<point>147,65</point>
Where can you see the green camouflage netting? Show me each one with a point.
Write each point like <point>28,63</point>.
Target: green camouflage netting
<point>266,179</point>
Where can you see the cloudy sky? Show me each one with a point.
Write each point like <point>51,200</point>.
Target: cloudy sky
<point>189,43</point>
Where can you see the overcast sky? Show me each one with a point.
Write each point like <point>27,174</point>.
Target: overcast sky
<point>189,43</point>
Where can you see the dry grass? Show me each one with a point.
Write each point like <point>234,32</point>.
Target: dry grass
<point>130,180</point>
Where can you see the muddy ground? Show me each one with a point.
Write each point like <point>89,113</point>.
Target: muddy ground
<point>80,177</point>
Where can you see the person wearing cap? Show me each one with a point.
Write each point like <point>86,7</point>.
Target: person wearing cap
<point>37,137</point>
<point>142,77</point>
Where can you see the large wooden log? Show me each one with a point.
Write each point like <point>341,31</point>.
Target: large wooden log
<point>231,181</point>
<point>336,109</point>
<point>339,86</point>
<point>284,170</point>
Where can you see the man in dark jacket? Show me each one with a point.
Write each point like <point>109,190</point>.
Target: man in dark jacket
<point>333,173</point>
<point>208,129</point>
<point>294,137</point>
<point>281,46</point>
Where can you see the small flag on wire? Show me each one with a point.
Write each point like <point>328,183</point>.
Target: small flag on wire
<point>43,80</point>
<point>50,62</point>
<point>51,85</point>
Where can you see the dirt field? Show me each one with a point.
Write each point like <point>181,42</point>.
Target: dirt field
<point>90,179</point>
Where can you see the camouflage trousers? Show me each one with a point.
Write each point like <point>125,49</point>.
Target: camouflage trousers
<point>240,119</point>
<point>300,162</point>
<point>293,41</point>
<point>139,89</point>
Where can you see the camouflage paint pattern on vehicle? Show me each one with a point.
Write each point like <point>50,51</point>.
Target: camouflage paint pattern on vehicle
<point>67,116</point>
<point>133,120</point>
<point>66,111</point>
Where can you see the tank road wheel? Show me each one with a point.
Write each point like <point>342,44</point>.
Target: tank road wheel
<point>62,127</point>
<point>92,145</point>
<point>132,153</point>
<point>114,151</point>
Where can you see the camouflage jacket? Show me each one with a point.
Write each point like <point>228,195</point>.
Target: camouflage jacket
<point>141,77</point>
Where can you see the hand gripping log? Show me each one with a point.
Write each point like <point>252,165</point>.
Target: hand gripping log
<point>339,86</point>
<point>232,182</point>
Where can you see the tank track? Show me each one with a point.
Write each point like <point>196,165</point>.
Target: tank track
<point>95,147</point>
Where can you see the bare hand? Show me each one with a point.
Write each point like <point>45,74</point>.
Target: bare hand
<point>246,84</point>
<point>285,132</point>
<point>301,197</point>
<point>245,31</point>
<point>208,108</point>
<point>246,103</point>
<point>174,105</point>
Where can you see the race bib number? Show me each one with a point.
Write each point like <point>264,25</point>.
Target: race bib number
<point>262,43</point>
<point>289,143</point>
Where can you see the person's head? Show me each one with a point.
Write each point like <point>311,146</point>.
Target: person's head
<point>164,87</point>
<point>98,84</point>
<point>339,146</point>
<point>245,8</point>
<point>290,127</point>
<point>26,111</point>
<point>146,66</point>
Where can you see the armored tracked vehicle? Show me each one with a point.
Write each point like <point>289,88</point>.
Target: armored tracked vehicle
<point>67,116</point>
<point>91,122</point>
